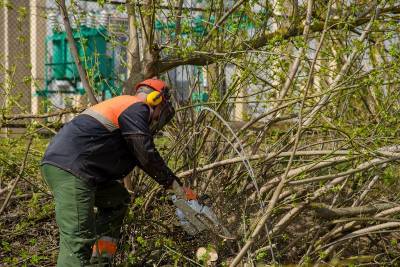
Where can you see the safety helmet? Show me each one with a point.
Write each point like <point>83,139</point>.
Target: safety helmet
<point>159,94</point>
<point>155,84</point>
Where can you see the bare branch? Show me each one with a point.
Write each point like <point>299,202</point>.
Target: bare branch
<point>326,212</point>
<point>222,20</point>
<point>134,65</point>
<point>21,171</point>
<point>74,51</point>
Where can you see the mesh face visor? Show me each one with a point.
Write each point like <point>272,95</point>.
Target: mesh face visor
<point>167,113</point>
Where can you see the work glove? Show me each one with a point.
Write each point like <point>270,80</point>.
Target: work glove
<point>189,194</point>
<point>182,192</point>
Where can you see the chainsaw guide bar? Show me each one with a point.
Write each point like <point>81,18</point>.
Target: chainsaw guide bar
<point>195,218</point>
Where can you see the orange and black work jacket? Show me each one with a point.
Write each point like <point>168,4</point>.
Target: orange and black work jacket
<point>107,141</point>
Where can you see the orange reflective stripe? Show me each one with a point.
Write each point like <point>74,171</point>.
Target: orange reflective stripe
<point>112,108</point>
<point>104,247</point>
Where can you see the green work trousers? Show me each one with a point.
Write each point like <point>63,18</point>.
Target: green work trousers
<point>79,225</point>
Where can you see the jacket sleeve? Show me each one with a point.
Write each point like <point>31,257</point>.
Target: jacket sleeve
<point>142,146</point>
<point>134,126</point>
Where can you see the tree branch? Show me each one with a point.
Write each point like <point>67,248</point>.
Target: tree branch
<point>133,50</point>
<point>222,20</point>
<point>41,116</point>
<point>74,51</point>
<point>326,212</point>
<point>22,169</point>
<point>255,43</point>
<point>265,157</point>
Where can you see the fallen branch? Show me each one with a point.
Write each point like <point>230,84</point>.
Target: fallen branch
<point>293,213</point>
<point>364,219</point>
<point>366,191</point>
<point>388,212</point>
<point>326,212</point>
<point>361,232</point>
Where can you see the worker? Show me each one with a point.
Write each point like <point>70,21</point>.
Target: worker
<point>86,161</point>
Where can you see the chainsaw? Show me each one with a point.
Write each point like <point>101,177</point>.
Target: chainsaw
<point>196,217</point>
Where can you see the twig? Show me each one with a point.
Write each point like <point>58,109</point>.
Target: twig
<point>365,166</point>
<point>222,20</point>
<point>18,177</point>
<point>349,225</point>
<point>180,254</point>
<point>74,51</point>
<point>364,219</point>
<point>4,190</point>
<point>41,116</point>
<point>365,191</point>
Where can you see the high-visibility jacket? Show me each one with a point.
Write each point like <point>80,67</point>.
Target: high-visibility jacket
<point>107,141</point>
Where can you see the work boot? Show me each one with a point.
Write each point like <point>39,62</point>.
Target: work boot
<point>103,251</point>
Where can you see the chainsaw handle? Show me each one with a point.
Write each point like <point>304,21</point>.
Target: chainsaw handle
<point>178,190</point>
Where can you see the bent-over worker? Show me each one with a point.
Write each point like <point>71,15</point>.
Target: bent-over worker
<point>86,161</point>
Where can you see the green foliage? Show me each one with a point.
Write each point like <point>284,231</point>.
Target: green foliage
<point>139,201</point>
<point>37,259</point>
<point>391,175</point>
<point>261,255</point>
<point>322,255</point>
<point>5,246</point>
<point>101,2</point>
<point>142,242</point>
<point>121,8</point>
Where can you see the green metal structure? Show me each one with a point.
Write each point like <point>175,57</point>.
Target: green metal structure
<point>92,50</point>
